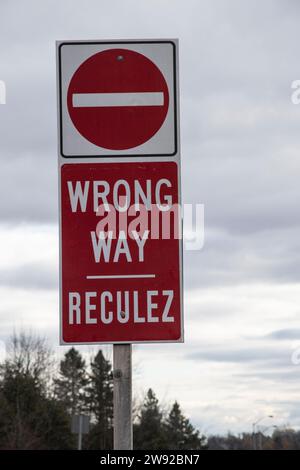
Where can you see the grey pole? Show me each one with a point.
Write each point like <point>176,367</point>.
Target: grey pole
<point>253,436</point>
<point>122,365</point>
<point>80,432</point>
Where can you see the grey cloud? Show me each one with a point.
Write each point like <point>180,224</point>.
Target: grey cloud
<point>30,276</point>
<point>29,189</point>
<point>285,334</point>
<point>291,376</point>
<point>227,259</point>
<point>245,196</point>
<point>242,355</point>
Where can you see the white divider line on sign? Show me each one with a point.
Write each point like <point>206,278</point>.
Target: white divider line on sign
<point>122,276</point>
<point>98,100</point>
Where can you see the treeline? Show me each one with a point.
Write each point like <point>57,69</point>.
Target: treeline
<point>281,439</point>
<point>38,398</point>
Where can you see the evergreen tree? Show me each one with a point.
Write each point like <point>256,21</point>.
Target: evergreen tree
<point>70,386</point>
<point>149,431</point>
<point>180,433</point>
<point>29,417</point>
<point>100,401</point>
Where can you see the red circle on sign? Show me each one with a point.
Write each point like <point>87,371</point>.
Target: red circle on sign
<point>130,99</point>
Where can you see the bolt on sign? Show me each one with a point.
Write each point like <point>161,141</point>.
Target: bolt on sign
<point>119,192</point>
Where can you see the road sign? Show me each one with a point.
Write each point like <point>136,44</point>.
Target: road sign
<point>124,106</point>
<point>119,170</point>
<point>121,262</point>
<point>117,99</point>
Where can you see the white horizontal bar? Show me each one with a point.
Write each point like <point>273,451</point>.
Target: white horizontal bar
<point>122,276</point>
<point>95,100</point>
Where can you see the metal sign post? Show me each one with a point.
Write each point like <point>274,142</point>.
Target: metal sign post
<point>122,365</point>
<point>80,425</point>
<point>80,433</point>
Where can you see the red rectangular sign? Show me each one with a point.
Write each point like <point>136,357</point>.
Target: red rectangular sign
<point>120,253</point>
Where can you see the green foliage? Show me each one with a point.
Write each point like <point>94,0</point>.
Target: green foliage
<point>180,433</point>
<point>29,418</point>
<point>100,403</point>
<point>36,407</point>
<point>283,438</point>
<point>70,386</point>
<point>149,432</point>
<point>155,431</point>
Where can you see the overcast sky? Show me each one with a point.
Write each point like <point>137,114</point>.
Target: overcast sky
<point>240,158</point>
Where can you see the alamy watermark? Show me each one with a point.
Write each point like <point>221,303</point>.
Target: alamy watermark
<point>295,355</point>
<point>156,222</point>
<point>2,92</point>
<point>137,212</point>
<point>295,96</point>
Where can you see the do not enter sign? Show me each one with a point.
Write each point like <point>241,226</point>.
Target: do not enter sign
<point>117,99</point>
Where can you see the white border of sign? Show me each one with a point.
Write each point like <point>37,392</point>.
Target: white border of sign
<point>175,157</point>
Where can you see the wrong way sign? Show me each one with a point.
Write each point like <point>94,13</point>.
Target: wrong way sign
<point>119,192</point>
<point>121,278</point>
